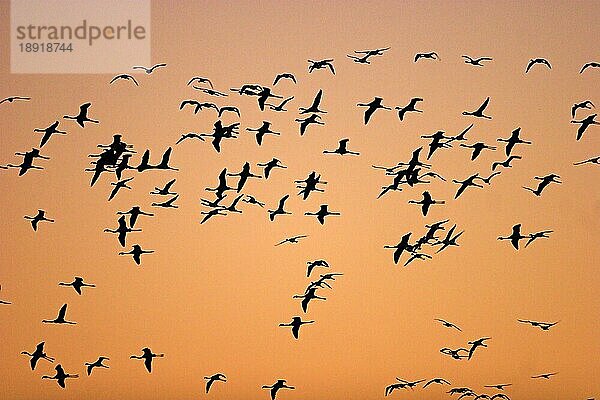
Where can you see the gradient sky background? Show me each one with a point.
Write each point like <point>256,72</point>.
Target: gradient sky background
<point>212,295</point>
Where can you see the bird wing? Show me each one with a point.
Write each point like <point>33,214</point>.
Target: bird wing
<point>148,363</point>
<point>62,312</point>
<point>295,331</point>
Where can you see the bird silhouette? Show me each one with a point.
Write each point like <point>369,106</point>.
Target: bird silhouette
<point>280,208</point>
<point>189,135</point>
<point>400,247</point>
<point>479,112</point>
<point>513,140</point>
<point>439,381</point>
<point>431,55</point>
<point>500,386</point>
<point>96,364</point>
<point>410,107</point>
<point>222,187</point>
<point>60,376</point>
<point>426,202</point>
<point>280,384</point>
<point>372,106</point>
<point>477,148</point>
<point>28,159</point>
<point>417,256</point>
<point>48,132</point>
<point>464,184</point>
<point>320,64</point>
<point>295,324</point>
<point>60,319</point>
<point>476,61</point>
<point>166,190</point>
<point>82,117</point>
<point>394,386</point>
<point>310,265</point>
<point>167,204</point>
<point>535,61</point>
<point>322,213</point>
<point>448,324</point>
<point>584,104</point>
<point>293,239</point>
<point>304,123</point>
<point>164,162</point>
<point>542,325</point>
<point>214,378</point>
<point>119,185</point>
<point>584,124</point>
<point>263,130</point>
<point>281,106</point>
<point>268,166</point>
<point>39,217</point>
<point>309,294</point>
<point>125,77</point>
<point>475,344</point>
<point>342,149</point>
<point>136,252</point>
<point>211,213</point>
<point>77,284</point>
<point>449,240</point>
<point>505,163</point>
<point>147,356</point>
<point>314,107</point>
<point>122,230</point>
<point>134,213</point>
<point>264,95</point>
<point>587,65</point>
<point>232,109</point>
<point>455,354</point>
<point>309,185</point>
<point>244,174</point>
<point>200,80</point>
<point>488,180</point>
<point>252,200</point>
<point>151,69</point>
<point>544,181</point>
<point>285,75</point>
<point>210,92</point>
<point>38,354</point>
<point>515,236</point>
<point>544,376</point>
<point>593,160</point>
<point>15,98</point>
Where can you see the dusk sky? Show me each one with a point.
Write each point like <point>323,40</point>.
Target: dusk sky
<point>212,295</point>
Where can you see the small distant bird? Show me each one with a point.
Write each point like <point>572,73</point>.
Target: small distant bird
<point>60,319</point>
<point>410,107</point>
<point>593,160</point>
<point>268,166</point>
<point>314,107</point>
<point>38,354</point>
<point>122,230</point>
<point>499,387</point>
<point>252,200</point>
<point>479,112</point>
<point>151,69</point>
<point>470,181</point>
<point>448,324</point>
<point>439,381</point>
<point>15,98</point>
<point>400,247</point>
<point>280,208</point>
<point>476,61</point>
<point>515,236</point>
<point>542,325</point>
<point>96,364</point>
<point>426,202</point>
<point>166,190</point>
<point>534,61</point>
<point>167,203</point>
<point>293,239</point>
<point>431,55</point>
<point>513,140</point>
<point>147,356</point>
<point>136,252</point>
<point>322,213</point>
<point>505,163</point>
<point>295,324</point>
<point>77,284</point>
<point>82,117</point>
<point>200,79</point>
<point>320,64</point>
<point>477,148</point>
<point>281,106</point>
<point>134,213</point>
<point>263,130</point>
<point>48,132</point>
<point>211,92</point>
<point>587,104</point>
<point>39,217</point>
<point>214,378</point>
<point>544,376</point>
<point>124,77</point>
<point>342,149</point>
<point>119,185</point>
<point>545,181</point>
<point>280,384</point>
<point>475,344</point>
<point>537,235</point>
<point>304,123</point>
<point>449,240</point>
<point>489,178</point>
<point>585,123</point>
<point>60,376</point>
<point>592,64</point>
<point>310,265</point>
<point>229,109</point>
<point>190,135</point>
<point>285,75</point>
<point>372,106</point>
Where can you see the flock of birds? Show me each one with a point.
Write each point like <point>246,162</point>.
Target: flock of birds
<point>115,159</point>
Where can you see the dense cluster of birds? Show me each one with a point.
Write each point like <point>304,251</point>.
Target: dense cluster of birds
<point>117,157</point>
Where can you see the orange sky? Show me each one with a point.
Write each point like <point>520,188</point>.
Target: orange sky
<point>212,295</point>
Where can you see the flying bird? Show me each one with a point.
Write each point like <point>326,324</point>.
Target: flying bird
<point>513,140</point>
<point>535,61</point>
<point>515,236</point>
<point>342,149</point>
<point>448,324</point>
<point>96,364</point>
<point>77,284</point>
<point>48,132</point>
<point>431,55</point>
<point>60,376</point>
<point>15,98</point>
<point>151,69</point>
<point>280,208</point>
<point>293,239</point>
<point>37,355</point>
<point>166,190</point>
<point>591,64</point>
<point>136,252</point>
<point>214,378</point>
<point>426,202</point>
<point>122,230</point>
<point>285,75</point>
<point>310,265</point>
<point>320,64</point>
<point>587,104</point>
<point>439,381</point>
<point>134,213</point>
<point>479,112</point>
<point>200,80</point>
<point>584,124</point>
<point>372,106</point>
<point>280,384</point>
<point>119,185</point>
<point>410,107</point>
<point>82,117</point>
<point>147,356</point>
<point>39,217</point>
<point>322,213</point>
<point>476,61</point>
<point>475,344</point>
<point>544,181</point>
<point>125,77</point>
<point>400,247</point>
<point>60,319</point>
<point>505,163</point>
<point>314,107</point>
<point>295,324</point>
<point>544,376</point>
